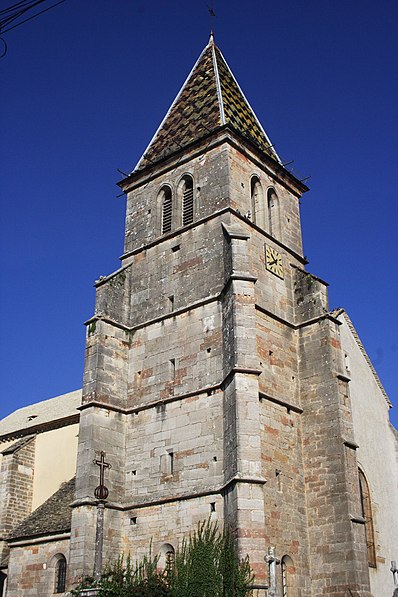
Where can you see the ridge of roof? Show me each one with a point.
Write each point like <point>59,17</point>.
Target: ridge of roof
<point>217,77</point>
<point>341,311</point>
<point>209,98</point>
<point>239,113</point>
<point>53,516</point>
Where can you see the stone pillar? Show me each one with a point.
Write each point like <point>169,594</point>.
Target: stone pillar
<point>16,487</point>
<point>102,428</point>
<point>244,499</point>
<point>336,535</point>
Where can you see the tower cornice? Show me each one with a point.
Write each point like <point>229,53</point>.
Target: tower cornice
<point>223,134</point>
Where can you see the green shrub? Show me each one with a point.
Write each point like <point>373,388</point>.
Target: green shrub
<point>206,565</point>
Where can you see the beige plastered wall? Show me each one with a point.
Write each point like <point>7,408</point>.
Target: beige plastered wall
<point>55,461</point>
<point>377,456</point>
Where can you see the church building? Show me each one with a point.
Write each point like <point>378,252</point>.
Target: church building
<point>217,384</point>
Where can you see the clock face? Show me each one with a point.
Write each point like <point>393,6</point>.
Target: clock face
<point>273,261</point>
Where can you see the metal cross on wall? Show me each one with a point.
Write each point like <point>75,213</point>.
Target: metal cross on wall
<point>101,492</point>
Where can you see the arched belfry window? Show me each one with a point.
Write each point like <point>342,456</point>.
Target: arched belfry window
<point>60,575</point>
<point>187,198</point>
<point>257,201</point>
<point>166,201</point>
<point>273,213</point>
<point>366,511</point>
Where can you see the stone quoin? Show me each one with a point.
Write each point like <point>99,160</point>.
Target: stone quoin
<point>217,383</point>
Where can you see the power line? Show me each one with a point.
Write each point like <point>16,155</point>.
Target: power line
<point>14,6</point>
<point>12,13</point>
<point>24,8</point>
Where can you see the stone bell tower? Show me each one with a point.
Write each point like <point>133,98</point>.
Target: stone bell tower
<point>214,378</point>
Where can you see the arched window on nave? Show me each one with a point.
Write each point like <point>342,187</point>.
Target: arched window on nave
<point>366,511</point>
<point>60,574</point>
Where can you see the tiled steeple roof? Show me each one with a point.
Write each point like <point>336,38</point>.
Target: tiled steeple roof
<point>209,99</point>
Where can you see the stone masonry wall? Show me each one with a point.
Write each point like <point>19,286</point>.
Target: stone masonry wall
<point>284,493</point>
<point>100,430</point>
<point>176,356</point>
<point>241,169</point>
<point>31,571</point>
<point>213,392</point>
<point>175,449</point>
<point>330,466</point>
<point>16,487</point>
<point>143,215</point>
<point>164,278</point>
<point>277,353</point>
<point>167,523</point>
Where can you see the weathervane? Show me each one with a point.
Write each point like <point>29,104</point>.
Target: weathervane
<point>212,16</point>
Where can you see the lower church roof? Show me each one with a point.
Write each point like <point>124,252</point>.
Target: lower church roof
<point>54,516</point>
<point>49,413</point>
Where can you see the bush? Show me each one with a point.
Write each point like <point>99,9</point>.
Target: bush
<point>205,566</point>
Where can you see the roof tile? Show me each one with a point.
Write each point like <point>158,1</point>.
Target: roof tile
<point>209,98</point>
<point>54,516</point>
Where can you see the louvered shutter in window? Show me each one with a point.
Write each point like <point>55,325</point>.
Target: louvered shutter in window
<point>167,213</point>
<point>187,206</point>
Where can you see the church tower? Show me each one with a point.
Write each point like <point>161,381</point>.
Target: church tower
<point>214,376</point>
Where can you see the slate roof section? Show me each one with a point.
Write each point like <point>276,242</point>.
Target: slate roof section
<point>210,98</point>
<point>30,418</point>
<point>52,517</point>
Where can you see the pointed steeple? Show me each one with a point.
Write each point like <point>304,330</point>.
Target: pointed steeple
<point>209,98</point>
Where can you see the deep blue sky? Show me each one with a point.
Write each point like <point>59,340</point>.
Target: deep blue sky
<point>85,86</point>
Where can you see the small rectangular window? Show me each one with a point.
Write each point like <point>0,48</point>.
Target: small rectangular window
<point>172,368</point>
<point>167,463</point>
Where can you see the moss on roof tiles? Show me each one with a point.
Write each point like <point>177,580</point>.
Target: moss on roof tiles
<point>54,516</point>
<point>197,110</point>
<point>238,113</point>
